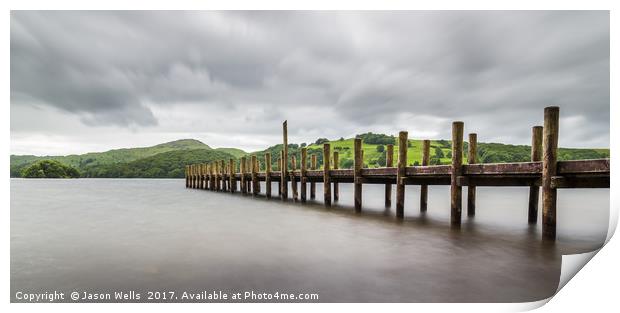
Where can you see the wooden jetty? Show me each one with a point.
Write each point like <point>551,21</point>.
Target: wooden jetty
<point>543,172</point>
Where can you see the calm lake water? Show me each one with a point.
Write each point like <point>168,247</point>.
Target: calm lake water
<point>106,235</point>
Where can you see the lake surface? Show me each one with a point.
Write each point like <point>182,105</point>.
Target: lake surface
<point>107,235</point>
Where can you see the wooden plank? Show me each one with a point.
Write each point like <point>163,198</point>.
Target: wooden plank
<point>498,180</point>
<point>428,170</point>
<point>503,168</point>
<point>584,167</point>
<point>594,181</point>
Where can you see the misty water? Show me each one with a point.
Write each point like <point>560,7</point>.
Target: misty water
<point>106,235</point>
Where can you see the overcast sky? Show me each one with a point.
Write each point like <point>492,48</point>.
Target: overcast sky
<point>93,81</point>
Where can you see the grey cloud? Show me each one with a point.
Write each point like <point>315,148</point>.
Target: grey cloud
<point>495,70</point>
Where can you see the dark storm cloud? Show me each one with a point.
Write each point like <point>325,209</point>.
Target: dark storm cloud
<point>495,70</point>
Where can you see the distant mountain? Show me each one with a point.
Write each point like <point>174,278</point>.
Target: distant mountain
<point>237,153</point>
<point>92,162</point>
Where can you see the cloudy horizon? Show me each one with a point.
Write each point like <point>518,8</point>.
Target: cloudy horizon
<point>84,81</point>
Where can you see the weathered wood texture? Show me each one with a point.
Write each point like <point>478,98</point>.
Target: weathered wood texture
<point>426,150</point>
<point>549,159</point>
<point>313,184</point>
<point>357,173</point>
<point>268,175</point>
<point>402,164</point>
<point>472,158</point>
<point>536,155</point>
<point>284,156</point>
<point>304,163</point>
<point>327,192</point>
<point>457,162</point>
<point>335,166</point>
<point>389,162</point>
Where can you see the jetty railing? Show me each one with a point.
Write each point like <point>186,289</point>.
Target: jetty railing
<point>543,172</point>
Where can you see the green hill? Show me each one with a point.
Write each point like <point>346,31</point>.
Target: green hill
<point>168,159</point>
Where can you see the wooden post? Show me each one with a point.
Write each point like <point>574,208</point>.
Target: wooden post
<point>218,175</point>
<point>257,171</point>
<point>283,178</point>
<point>254,177</point>
<point>191,176</point>
<point>549,159</point>
<point>232,183</point>
<point>335,183</point>
<point>357,174</point>
<point>195,177</point>
<point>268,174</point>
<point>280,170</point>
<point>243,182</point>
<point>284,161</point>
<point>313,184</point>
<point>222,172</point>
<point>248,168</point>
<point>186,176</point>
<point>204,176</point>
<point>327,190</point>
<point>302,173</point>
<point>389,162</point>
<point>400,184</point>
<point>457,162</point>
<point>472,158</point>
<point>201,170</point>
<point>532,214</point>
<point>293,181</point>
<point>426,157</point>
<point>212,175</point>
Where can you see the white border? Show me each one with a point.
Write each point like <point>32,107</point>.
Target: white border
<point>595,286</point>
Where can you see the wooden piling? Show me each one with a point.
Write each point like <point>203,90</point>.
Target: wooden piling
<point>257,171</point>
<point>357,174</point>
<point>549,160</point>
<point>313,184</point>
<point>248,168</point>
<point>302,173</point>
<point>212,175</point>
<point>242,164</point>
<point>284,184</point>
<point>426,151</point>
<point>336,192</point>
<point>536,154</point>
<point>293,181</point>
<point>268,175</point>
<point>472,158</point>
<point>232,183</point>
<point>223,174</point>
<point>283,178</point>
<point>389,162</point>
<point>186,176</point>
<point>279,180</point>
<point>327,190</point>
<point>400,174</point>
<point>191,176</point>
<point>254,176</point>
<point>457,162</point>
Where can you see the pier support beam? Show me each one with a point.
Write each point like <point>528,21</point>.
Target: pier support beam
<point>254,176</point>
<point>457,162</point>
<point>232,183</point>
<point>242,164</point>
<point>284,184</point>
<point>313,184</point>
<point>223,174</point>
<point>549,159</point>
<point>293,181</point>
<point>402,164</point>
<point>336,192</point>
<point>186,176</point>
<point>472,158</point>
<point>532,212</point>
<point>302,173</point>
<point>426,157</point>
<point>327,190</point>
<point>268,175</point>
<point>389,162</point>
<point>357,173</point>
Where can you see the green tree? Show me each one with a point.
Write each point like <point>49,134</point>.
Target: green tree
<point>49,169</point>
<point>380,148</point>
